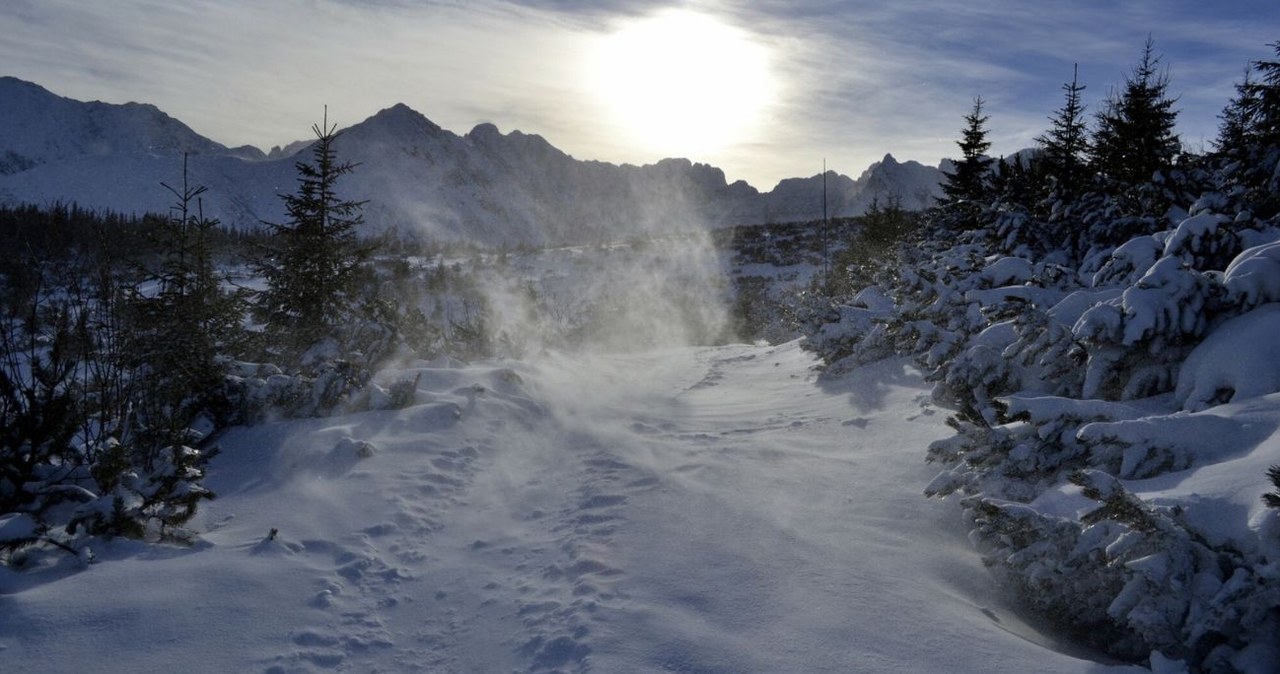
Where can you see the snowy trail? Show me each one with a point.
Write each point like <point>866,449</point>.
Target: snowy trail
<point>691,510</point>
<point>782,527</point>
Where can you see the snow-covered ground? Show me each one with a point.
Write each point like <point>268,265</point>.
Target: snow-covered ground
<point>709,509</point>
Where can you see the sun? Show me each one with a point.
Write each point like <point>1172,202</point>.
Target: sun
<point>682,83</point>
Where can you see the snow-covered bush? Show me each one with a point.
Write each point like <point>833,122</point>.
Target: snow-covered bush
<point>1127,577</point>
<point>1045,353</point>
<point>1055,568</point>
<point>1203,241</point>
<point>1131,260</point>
<point>1035,447</point>
<point>260,392</point>
<point>146,502</point>
<point>398,395</point>
<point>975,376</point>
<point>934,316</point>
<point>1136,341</point>
<point>1147,446</point>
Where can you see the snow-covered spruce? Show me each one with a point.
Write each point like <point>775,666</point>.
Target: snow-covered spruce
<point>1129,577</point>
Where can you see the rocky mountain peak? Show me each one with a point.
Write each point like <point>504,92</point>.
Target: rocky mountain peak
<point>417,178</point>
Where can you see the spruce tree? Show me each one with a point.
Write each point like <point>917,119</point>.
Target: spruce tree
<point>178,334</point>
<point>1066,143</point>
<point>1248,143</point>
<point>1263,105</point>
<point>1235,131</point>
<point>970,182</point>
<point>1135,135</point>
<point>311,269</point>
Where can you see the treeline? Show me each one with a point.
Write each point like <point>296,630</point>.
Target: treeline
<point>62,231</point>
<point>1073,305</point>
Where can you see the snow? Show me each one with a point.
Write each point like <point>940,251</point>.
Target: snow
<point>1007,271</point>
<point>708,509</point>
<point>17,526</point>
<point>873,298</point>
<point>1073,306</point>
<point>1253,277</point>
<point>1191,232</point>
<point>1237,361</point>
<point>1130,261</point>
<point>1167,299</point>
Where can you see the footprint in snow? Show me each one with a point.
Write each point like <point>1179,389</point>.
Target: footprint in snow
<point>555,654</point>
<point>602,501</point>
<point>606,465</point>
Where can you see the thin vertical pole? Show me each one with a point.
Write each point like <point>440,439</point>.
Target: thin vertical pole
<point>826,226</point>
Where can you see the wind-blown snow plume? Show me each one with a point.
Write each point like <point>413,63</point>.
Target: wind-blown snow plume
<point>623,296</point>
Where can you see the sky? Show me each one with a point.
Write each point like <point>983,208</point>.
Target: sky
<point>765,90</point>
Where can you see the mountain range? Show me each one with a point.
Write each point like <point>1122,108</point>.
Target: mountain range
<point>418,179</point>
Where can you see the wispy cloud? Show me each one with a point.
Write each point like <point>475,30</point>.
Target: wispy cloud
<point>859,78</point>
<point>875,77</point>
<point>245,71</point>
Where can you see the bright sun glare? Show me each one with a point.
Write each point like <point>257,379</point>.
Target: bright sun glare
<point>682,83</point>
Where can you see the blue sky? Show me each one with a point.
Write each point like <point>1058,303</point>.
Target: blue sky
<point>848,81</point>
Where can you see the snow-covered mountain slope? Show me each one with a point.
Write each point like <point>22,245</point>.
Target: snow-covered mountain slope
<point>484,186</point>
<point>517,188</point>
<point>724,511</point>
<point>240,193</point>
<point>38,127</point>
<point>913,185</point>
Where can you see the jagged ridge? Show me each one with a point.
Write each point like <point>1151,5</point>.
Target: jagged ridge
<point>419,179</point>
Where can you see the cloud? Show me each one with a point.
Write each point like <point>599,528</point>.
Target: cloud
<point>258,72</point>
<point>876,77</point>
<point>859,78</point>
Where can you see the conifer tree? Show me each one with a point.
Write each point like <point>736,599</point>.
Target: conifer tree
<point>1236,128</point>
<point>1066,143</point>
<point>1135,135</point>
<point>311,273</point>
<point>1249,137</point>
<point>969,183</point>
<point>1263,104</point>
<point>1015,181</point>
<point>178,333</point>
